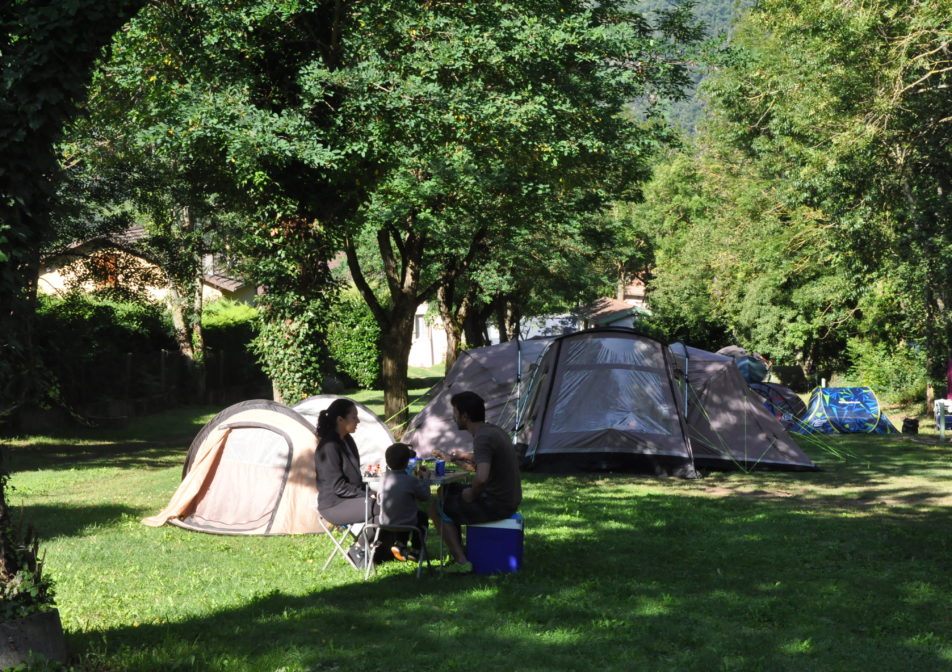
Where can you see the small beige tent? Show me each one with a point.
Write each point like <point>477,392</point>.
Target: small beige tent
<point>250,470</point>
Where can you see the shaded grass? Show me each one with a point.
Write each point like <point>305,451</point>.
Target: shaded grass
<point>843,569</point>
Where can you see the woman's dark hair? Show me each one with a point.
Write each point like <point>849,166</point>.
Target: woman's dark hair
<point>327,419</point>
<point>470,404</point>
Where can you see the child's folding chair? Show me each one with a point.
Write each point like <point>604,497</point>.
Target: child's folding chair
<point>372,533</point>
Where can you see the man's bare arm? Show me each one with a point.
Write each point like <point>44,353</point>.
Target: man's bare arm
<point>479,482</point>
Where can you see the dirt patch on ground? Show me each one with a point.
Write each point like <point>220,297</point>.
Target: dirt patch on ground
<point>913,499</point>
<point>763,494</point>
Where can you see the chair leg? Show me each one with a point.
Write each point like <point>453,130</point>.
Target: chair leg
<point>423,554</point>
<point>338,548</point>
<point>370,550</point>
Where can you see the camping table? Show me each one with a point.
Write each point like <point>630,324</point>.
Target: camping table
<point>450,477</point>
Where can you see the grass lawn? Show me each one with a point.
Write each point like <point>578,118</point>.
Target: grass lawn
<point>844,569</point>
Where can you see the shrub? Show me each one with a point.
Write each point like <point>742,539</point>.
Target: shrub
<point>82,341</point>
<point>86,325</point>
<point>24,588</point>
<point>354,342</point>
<point>228,324</point>
<point>896,370</point>
<point>289,347</point>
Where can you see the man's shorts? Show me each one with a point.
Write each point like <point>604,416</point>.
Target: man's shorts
<point>453,509</point>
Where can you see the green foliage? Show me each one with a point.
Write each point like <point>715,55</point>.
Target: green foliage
<point>354,341</point>
<point>46,53</point>
<point>443,132</point>
<point>84,326</point>
<point>735,263</point>
<point>228,324</point>
<point>26,592</point>
<point>289,259</point>
<point>809,211</point>
<point>290,350</point>
<point>24,588</point>
<point>227,313</point>
<point>846,105</point>
<point>898,371</point>
<point>717,17</point>
<point>83,339</point>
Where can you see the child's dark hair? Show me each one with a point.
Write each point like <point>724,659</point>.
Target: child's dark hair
<point>398,456</point>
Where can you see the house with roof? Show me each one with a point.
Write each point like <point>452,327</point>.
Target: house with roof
<point>121,260</point>
<point>608,312</point>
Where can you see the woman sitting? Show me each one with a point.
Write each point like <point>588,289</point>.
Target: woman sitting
<point>341,492</point>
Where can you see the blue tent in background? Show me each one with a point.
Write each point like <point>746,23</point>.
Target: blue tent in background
<point>844,410</point>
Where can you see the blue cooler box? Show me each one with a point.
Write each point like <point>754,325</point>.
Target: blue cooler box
<point>496,547</point>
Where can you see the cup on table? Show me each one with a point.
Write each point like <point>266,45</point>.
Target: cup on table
<point>439,467</point>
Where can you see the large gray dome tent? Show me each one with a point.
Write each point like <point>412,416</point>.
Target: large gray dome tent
<point>250,470</point>
<point>605,399</point>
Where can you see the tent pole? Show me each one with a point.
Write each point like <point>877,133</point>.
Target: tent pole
<point>686,359</point>
<point>518,382</point>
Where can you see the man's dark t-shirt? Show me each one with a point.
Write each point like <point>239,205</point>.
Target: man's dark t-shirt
<point>504,487</point>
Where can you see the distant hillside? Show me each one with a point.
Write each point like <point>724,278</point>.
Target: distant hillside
<point>718,16</point>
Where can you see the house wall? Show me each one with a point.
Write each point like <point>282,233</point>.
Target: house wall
<point>634,294</point>
<point>429,341</point>
<point>61,273</point>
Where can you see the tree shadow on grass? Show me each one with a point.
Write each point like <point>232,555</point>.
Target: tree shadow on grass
<point>123,455</point>
<point>660,582</point>
<point>51,522</point>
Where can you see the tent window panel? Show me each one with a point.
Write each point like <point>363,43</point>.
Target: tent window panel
<point>253,445</point>
<point>624,351</point>
<point>620,399</point>
<point>259,489</point>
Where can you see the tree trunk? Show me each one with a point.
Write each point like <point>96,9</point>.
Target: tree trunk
<point>501,322</point>
<point>200,380</point>
<point>7,558</point>
<point>474,325</point>
<point>454,333</point>
<point>189,348</point>
<point>395,353</point>
<point>507,318</point>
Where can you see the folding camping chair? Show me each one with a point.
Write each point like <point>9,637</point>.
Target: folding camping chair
<point>350,530</point>
<point>375,541</point>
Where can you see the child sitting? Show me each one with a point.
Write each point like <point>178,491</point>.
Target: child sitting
<point>399,494</point>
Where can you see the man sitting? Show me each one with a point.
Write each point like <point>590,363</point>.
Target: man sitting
<point>496,490</point>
